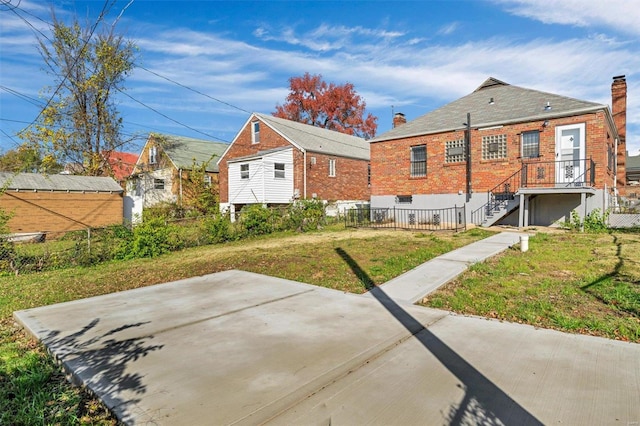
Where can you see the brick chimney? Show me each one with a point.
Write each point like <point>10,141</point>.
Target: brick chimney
<point>398,119</point>
<point>619,110</point>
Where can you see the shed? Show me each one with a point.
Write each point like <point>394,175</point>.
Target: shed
<point>59,203</point>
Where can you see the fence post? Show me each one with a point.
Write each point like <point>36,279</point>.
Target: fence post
<point>394,218</point>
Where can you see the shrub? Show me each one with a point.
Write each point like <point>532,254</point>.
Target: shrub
<point>306,215</point>
<point>593,222</point>
<point>218,228</point>
<point>257,219</point>
<point>150,239</point>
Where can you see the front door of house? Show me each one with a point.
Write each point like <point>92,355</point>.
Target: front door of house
<point>570,155</point>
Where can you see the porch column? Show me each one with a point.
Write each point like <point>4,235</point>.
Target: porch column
<point>521,214</point>
<point>526,210</point>
<point>583,203</point>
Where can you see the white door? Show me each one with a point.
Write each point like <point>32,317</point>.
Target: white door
<point>570,155</point>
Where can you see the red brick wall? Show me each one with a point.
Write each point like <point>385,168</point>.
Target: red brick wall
<point>350,182</point>
<point>61,211</point>
<point>619,111</point>
<point>390,160</point>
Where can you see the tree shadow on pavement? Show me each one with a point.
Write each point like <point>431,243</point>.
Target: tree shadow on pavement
<point>484,402</point>
<point>100,362</point>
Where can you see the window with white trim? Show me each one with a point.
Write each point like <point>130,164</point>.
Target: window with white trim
<point>158,184</point>
<point>278,170</point>
<point>244,171</point>
<point>255,132</point>
<point>207,180</point>
<point>418,161</point>
<point>332,167</point>
<point>455,151</point>
<point>531,144</point>
<point>494,147</point>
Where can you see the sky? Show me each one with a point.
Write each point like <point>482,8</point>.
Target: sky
<point>203,66</point>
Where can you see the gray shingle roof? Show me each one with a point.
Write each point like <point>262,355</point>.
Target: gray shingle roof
<point>183,151</point>
<point>633,162</point>
<point>39,182</point>
<point>317,139</point>
<point>511,104</point>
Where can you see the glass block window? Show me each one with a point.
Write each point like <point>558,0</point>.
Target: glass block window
<point>418,161</point>
<point>531,144</point>
<point>455,151</point>
<point>494,147</point>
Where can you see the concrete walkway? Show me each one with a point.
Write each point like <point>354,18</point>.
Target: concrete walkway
<point>413,285</point>
<point>241,348</point>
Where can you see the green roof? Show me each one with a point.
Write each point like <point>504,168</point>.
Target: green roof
<point>184,151</point>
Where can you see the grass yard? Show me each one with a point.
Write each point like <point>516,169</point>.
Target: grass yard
<point>586,283</point>
<point>580,283</point>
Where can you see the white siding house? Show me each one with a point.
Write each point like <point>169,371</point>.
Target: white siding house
<point>265,178</point>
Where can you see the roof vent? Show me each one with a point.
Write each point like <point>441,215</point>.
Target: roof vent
<point>491,102</point>
<point>547,107</point>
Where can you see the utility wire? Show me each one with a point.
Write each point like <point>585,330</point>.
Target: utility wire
<point>193,90</point>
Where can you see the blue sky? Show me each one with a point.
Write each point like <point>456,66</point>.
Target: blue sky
<point>236,57</point>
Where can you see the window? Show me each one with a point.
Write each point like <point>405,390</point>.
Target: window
<point>158,184</point>
<point>278,169</point>
<point>404,199</point>
<point>207,180</point>
<point>455,151</point>
<point>255,132</point>
<point>153,155</point>
<point>494,147</point>
<point>531,144</point>
<point>244,171</point>
<point>418,161</point>
<point>332,167</point>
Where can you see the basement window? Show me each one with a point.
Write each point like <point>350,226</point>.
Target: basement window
<point>404,199</point>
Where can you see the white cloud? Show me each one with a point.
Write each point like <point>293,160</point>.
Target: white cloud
<point>619,15</point>
<point>449,28</point>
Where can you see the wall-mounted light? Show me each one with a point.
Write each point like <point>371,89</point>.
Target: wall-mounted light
<point>546,123</point>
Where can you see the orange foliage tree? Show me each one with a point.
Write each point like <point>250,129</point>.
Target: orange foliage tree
<point>336,107</point>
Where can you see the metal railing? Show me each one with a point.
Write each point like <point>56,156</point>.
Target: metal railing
<point>446,219</point>
<point>538,174</point>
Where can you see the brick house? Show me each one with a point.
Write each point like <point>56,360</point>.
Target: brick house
<point>162,169</point>
<point>59,203</point>
<point>273,161</point>
<point>534,156</point>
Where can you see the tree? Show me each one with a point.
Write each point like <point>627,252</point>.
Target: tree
<point>25,158</point>
<point>80,123</point>
<point>336,107</point>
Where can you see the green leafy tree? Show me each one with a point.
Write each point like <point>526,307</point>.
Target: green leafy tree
<point>25,158</point>
<point>198,190</point>
<point>80,124</point>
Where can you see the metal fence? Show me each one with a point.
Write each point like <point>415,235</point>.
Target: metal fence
<point>447,219</point>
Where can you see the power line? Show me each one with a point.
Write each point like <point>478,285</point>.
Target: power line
<point>193,90</point>
<point>169,118</point>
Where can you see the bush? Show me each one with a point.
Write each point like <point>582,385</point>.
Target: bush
<point>593,222</point>
<point>218,228</point>
<point>257,219</point>
<point>150,239</point>
<point>306,215</point>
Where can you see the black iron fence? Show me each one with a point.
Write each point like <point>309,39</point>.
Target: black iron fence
<point>447,219</point>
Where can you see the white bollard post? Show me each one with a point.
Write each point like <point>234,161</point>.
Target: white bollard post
<point>524,243</point>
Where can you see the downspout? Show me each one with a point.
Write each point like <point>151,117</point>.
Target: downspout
<point>304,175</point>
<point>180,178</point>
<point>468,148</point>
